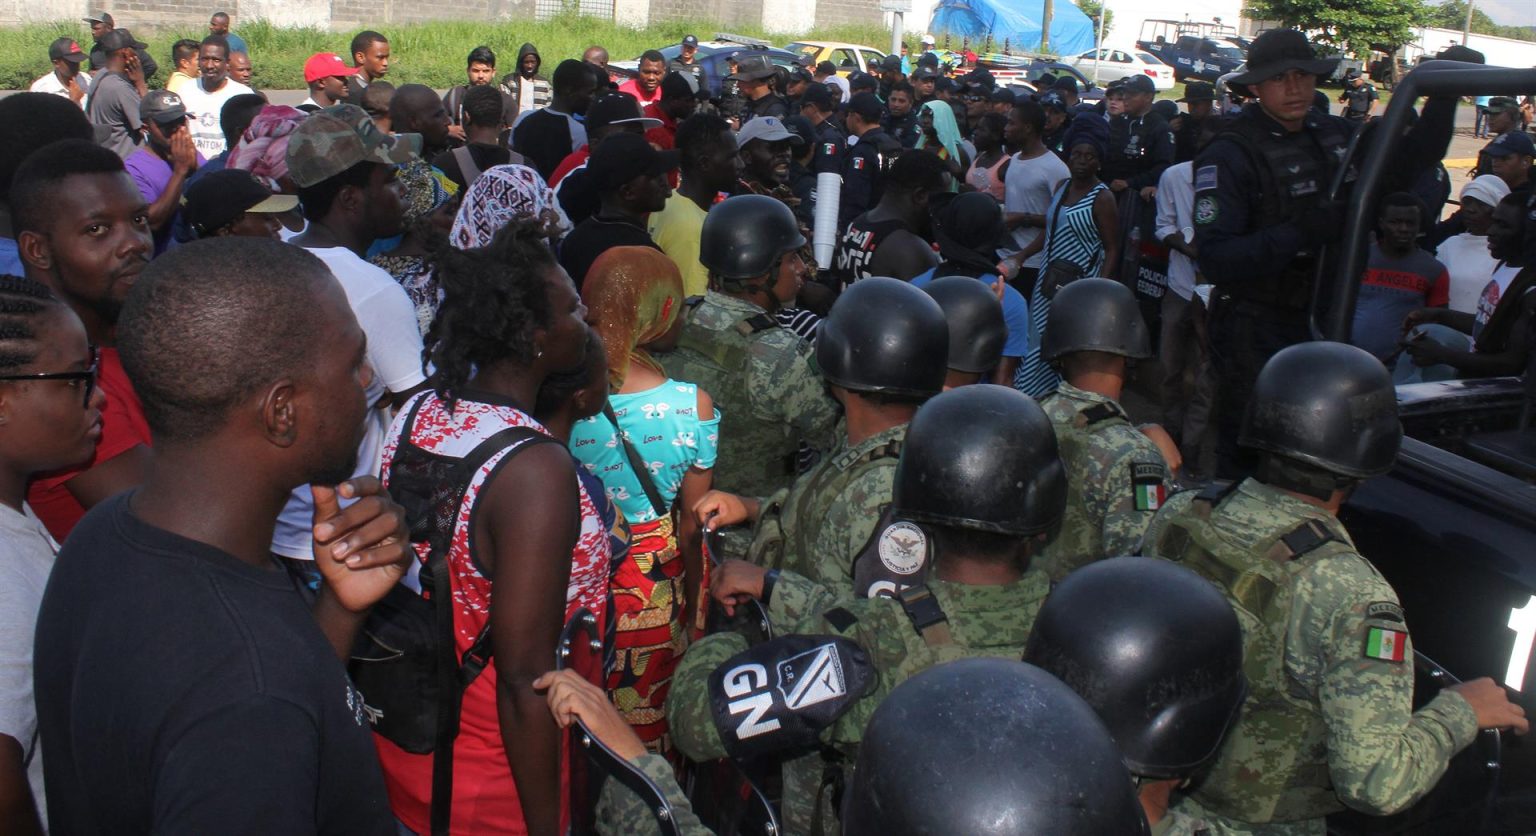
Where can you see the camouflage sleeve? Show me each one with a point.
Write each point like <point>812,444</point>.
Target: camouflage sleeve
<point>1175,823</point>
<point>1174,507</point>
<point>620,811</point>
<point>1127,483</point>
<point>1347,641</point>
<point>797,603</point>
<point>785,387</point>
<point>850,521</point>
<point>688,714</point>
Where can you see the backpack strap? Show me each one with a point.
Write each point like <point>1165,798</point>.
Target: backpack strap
<point>637,464</point>
<point>756,323</point>
<point>455,674</point>
<point>927,617</point>
<point>467,167</point>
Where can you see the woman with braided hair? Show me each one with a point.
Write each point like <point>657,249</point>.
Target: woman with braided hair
<point>528,545</point>
<point>50,418</point>
<point>670,429</point>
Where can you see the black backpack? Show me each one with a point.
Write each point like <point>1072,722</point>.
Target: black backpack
<point>404,663</point>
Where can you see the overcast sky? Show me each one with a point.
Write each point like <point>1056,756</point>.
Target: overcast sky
<point>1509,12</point>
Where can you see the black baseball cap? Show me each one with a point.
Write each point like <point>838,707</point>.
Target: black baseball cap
<point>819,95</point>
<point>622,157</point>
<point>1352,73</point>
<point>867,106</point>
<point>800,74</point>
<point>1139,84</point>
<point>924,72</point>
<point>860,80</point>
<point>99,17</point>
<point>890,63</point>
<point>801,128</point>
<point>120,39</point>
<point>690,40</point>
<point>67,49</point>
<point>617,109</point>
<point>753,68</point>
<point>162,107</point>
<point>826,68</point>
<point>219,198</point>
<point>1066,82</point>
<point>1002,95</point>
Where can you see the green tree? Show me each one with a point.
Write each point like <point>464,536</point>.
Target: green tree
<point>1453,15</point>
<point>1353,26</point>
<point>1091,9</point>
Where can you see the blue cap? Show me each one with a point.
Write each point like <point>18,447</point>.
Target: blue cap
<point>1514,142</point>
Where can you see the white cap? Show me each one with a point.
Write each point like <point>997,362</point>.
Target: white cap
<point>1489,188</point>
<point>928,39</point>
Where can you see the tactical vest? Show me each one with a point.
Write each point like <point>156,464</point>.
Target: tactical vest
<point>822,485</point>
<point>1130,139</point>
<point>1273,766</point>
<point>1295,172</point>
<point>1079,541</point>
<point>717,362</point>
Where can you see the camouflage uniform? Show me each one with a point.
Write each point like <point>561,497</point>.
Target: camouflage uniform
<point>769,396</point>
<point>817,527</point>
<point>1329,719</point>
<point>982,621</point>
<point>1116,479</point>
<point>620,812</point>
<point>1175,823</point>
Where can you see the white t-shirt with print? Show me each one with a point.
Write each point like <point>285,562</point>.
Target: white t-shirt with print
<point>26,558</point>
<point>388,319</point>
<point>1493,291</point>
<point>1469,265</point>
<point>205,109</point>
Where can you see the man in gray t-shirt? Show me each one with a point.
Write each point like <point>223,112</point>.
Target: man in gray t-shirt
<point>1399,278</point>
<point>115,95</point>
<point>1033,175</point>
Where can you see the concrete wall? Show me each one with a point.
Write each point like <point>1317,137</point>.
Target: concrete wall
<point>791,17</point>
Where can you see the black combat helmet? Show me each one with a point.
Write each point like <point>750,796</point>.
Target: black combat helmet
<point>1095,315</point>
<point>884,336</point>
<point>989,746</point>
<point>1328,405</point>
<point>977,331</point>
<point>1158,653</point>
<point>982,458</point>
<point>745,236</point>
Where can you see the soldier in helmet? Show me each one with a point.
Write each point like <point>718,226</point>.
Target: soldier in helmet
<point>769,396</point>
<point>1167,680</point>
<point>1329,721</point>
<point>978,487</point>
<point>881,369</point>
<point>1116,477</point>
<point>976,328</point>
<point>988,746</point>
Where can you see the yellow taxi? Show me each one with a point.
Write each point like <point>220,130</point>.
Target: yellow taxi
<point>846,57</point>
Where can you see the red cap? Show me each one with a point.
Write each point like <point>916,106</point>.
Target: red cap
<point>323,65</point>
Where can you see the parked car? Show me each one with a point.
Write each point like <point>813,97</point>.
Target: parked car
<point>714,57</point>
<point>1118,63</point>
<point>1192,56</point>
<point>846,57</point>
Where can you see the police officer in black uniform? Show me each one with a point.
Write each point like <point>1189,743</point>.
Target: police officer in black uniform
<point>754,79</point>
<point>1262,215</point>
<point>816,105</point>
<point>865,160</point>
<point>988,746</point>
<point>1140,141</point>
<point>686,64</point>
<point>1359,97</point>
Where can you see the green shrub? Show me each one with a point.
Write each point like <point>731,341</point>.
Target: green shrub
<point>425,53</point>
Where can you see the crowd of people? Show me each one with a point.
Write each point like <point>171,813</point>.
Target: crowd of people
<point>320,424</point>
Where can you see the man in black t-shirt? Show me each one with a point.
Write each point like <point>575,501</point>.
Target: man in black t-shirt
<point>482,118</point>
<point>630,178</point>
<point>184,685</point>
<point>548,135</point>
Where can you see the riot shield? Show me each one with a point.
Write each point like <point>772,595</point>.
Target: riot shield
<point>600,764</point>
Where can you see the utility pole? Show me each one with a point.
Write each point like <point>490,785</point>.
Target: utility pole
<point>1465,28</point>
<point>1098,44</point>
<point>898,9</point>
<point>1045,27</point>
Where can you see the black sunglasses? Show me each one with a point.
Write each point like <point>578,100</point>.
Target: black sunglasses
<point>89,376</point>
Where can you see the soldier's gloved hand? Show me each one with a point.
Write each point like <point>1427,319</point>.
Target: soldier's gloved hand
<point>1322,224</point>
<point>1492,705</point>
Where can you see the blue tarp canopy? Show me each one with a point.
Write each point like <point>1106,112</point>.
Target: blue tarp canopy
<point>1017,22</point>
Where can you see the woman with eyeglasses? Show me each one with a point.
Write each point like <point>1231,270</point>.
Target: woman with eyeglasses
<point>50,418</point>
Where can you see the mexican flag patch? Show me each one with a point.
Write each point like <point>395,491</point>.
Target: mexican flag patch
<point>829,148</point>
<point>1385,644</point>
<point>858,163</point>
<point>1147,486</point>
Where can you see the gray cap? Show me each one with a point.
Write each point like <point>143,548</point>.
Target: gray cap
<point>753,68</point>
<point>768,128</point>
<point>162,107</point>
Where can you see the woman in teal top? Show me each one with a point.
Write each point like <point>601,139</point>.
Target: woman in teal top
<point>634,298</point>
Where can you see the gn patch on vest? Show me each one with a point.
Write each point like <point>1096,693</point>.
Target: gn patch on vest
<point>1205,210</point>
<point>1385,644</point>
<point>779,695</point>
<point>1147,485</point>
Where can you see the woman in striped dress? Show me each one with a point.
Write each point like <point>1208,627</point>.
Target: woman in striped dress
<point>1082,231</point>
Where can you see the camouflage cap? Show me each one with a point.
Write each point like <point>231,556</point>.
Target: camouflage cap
<point>334,139</point>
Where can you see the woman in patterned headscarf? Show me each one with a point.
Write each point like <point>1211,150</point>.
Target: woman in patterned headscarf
<point>430,200</point>
<point>263,151</point>
<point>505,193</point>
<point>634,298</point>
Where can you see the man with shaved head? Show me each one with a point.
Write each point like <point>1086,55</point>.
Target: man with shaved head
<point>417,109</point>
<point>183,682</point>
